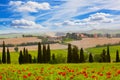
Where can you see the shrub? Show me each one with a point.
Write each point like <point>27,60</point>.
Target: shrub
<point>16,48</point>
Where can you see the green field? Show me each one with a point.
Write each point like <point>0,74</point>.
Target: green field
<point>84,71</point>
<point>63,53</point>
<point>98,50</point>
<point>15,55</point>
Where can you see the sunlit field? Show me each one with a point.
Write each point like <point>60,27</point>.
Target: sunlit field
<point>62,71</point>
<point>98,50</point>
<point>85,71</point>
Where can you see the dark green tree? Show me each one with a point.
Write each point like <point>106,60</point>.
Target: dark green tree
<point>44,54</point>
<point>69,55</point>
<point>21,58</point>
<point>30,58</point>
<point>34,60</point>
<point>8,56</point>
<point>39,58</point>
<point>48,53</point>
<point>24,55</point>
<point>117,56</point>
<point>27,56</point>
<point>24,50</point>
<point>103,56</point>
<point>53,57</point>
<point>91,58</point>
<point>3,54</point>
<point>75,55</point>
<point>0,60</point>
<point>108,55</point>
<point>82,56</point>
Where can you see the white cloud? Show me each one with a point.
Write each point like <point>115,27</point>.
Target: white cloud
<point>74,8</point>
<point>22,23</point>
<point>62,15</point>
<point>96,21</point>
<point>29,6</point>
<point>15,3</point>
<point>99,18</point>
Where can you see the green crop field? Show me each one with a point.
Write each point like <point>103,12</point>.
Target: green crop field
<point>15,55</point>
<point>98,50</point>
<point>84,71</point>
<point>63,52</point>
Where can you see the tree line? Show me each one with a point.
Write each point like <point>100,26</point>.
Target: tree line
<point>44,55</point>
<point>74,57</point>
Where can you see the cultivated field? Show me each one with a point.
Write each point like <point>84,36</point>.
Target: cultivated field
<point>16,41</point>
<point>92,42</point>
<point>84,43</point>
<point>35,47</point>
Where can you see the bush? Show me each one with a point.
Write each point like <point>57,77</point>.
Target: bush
<point>97,58</point>
<point>16,49</point>
<point>58,59</point>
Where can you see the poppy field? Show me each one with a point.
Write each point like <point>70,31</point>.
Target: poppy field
<point>85,71</point>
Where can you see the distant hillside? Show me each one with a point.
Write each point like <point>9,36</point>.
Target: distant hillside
<point>10,35</point>
<point>103,31</point>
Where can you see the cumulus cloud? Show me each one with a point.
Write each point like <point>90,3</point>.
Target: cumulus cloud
<point>96,21</point>
<point>100,18</point>
<point>29,6</point>
<point>15,3</point>
<point>22,23</point>
<point>74,8</point>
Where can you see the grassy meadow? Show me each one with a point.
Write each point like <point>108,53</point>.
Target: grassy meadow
<point>78,71</point>
<point>63,53</point>
<point>85,71</point>
<point>15,55</point>
<point>98,50</point>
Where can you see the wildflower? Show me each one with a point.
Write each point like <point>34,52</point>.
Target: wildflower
<point>118,71</point>
<point>71,77</point>
<point>0,77</point>
<point>108,73</point>
<point>24,76</point>
<point>63,73</point>
<point>100,74</point>
<point>93,76</point>
<point>29,74</point>
<point>108,76</point>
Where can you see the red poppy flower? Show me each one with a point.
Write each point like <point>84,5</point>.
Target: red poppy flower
<point>24,76</point>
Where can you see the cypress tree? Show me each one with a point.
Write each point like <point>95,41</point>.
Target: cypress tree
<point>75,54</point>
<point>8,56</point>
<point>30,58</point>
<point>69,55</point>
<point>24,55</point>
<point>3,54</point>
<point>82,56</point>
<point>24,50</point>
<point>0,60</point>
<point>90,58</point>
<point>44,54</point>
<point>103,56</point>
<point>39,58</point>
<point>53,57</point>
<point>21,58</point>
<point>27,56</point>
<point>117,56</point>
<point>108,54</point>
<point>34,60</point>
<point>48,53</point>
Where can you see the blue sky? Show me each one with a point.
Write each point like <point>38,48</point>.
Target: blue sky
<point>58,15</point>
